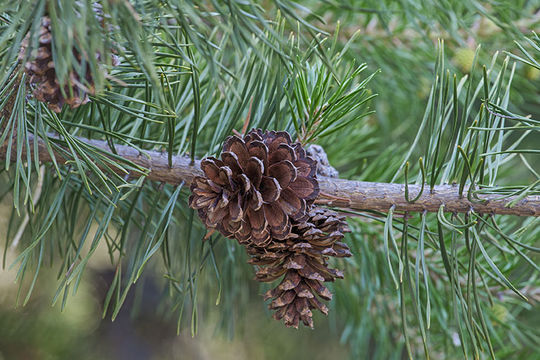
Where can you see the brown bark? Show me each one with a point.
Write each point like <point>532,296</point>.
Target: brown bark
<point>360,195</point>
<point>341,193</point>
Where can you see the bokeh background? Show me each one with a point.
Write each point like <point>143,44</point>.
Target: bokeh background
<point>397,38</point>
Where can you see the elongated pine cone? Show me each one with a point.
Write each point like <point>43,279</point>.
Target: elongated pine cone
<point>262,182</point>
<point>41,71</point>
<point>301,260</point>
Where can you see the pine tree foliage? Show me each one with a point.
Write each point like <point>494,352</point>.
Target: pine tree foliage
<point>419,285</point>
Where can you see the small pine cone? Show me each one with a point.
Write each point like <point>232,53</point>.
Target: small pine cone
<point>262,183</point>
<point>302,261</point>
<point>40,68</point>
<point>41,71</point>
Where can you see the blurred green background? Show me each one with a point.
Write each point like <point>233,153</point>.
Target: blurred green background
<point>143,329</point>
<point>397,38</point>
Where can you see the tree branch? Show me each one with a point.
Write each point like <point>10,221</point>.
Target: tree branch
<point>361,195</point>
<point>347,194</point>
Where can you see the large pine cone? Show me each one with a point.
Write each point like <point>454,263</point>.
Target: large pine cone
<point>261,183</point>
<point>302,261</point>
<point>42,73</point>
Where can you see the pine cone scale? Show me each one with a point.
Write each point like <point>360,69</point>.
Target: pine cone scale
<point>282,152</point>
<point>270,189</point>
<point>211,168</point>
<point>305,188</point>
<point>306,167</point>
<point>231,160</point>
<point>290,281</point>
<point>237,146</point>
<point>258,149</point>
<point>256,201</point>
<point>40,68</point>
<point>254,170</point>
<point>235,211</point>
<point>293,206</point>
<point>284,172</point>
<point>304,258</point>
<point>285,298</point>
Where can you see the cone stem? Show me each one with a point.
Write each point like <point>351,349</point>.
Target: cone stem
<point>339,193</point>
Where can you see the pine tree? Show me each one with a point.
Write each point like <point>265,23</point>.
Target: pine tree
<point>108,107</point>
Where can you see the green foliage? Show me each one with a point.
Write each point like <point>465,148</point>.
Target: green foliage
<point>435,285</point>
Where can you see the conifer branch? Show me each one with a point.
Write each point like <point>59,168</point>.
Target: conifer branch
<point>340,193</point>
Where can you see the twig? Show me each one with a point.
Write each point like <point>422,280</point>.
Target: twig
<point>335,192</point>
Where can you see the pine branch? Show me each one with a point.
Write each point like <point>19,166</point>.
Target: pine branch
<point>361,195</point>
<point>341,193</point>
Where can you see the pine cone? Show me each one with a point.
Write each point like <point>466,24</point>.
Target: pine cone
<point>42,73</point>
<point>302,261</point>
<point>261,183</point>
